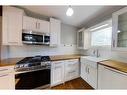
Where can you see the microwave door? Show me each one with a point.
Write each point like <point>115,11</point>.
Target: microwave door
<point>46,39</point>
<point>32,38</point>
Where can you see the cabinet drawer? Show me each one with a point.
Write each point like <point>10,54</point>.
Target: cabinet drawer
<point>57,64</point>
<point>89,62</point>
<point>69,67</point>
<point>6,69</point>
<point>7,81</point>
<point>71,74</point>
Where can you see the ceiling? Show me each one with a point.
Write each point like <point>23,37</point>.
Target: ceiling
<point>83,15</point>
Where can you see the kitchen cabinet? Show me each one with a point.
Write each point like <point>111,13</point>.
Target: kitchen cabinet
<point>55,29</point>
<point>83,39</point>
<point>36,25</point>
<point>12,26</point>
<point>64,70</point>
<point>29,23</point>
<point>109,78</point>
<point>71,69</point>
<point>7,79</point>
<point>89,72</point>
<point>57,72</point>
<point>119,35</point>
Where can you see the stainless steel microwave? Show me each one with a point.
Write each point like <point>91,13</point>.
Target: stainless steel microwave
<point>35,38</point>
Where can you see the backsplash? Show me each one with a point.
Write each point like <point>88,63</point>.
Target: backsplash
<point>107,53</point>
<point>28,50</point>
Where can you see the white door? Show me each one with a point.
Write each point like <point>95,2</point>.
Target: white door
<point>43,26</point>
<point>57,73</point>
<point>29,23</point>
<point>92,76</point>
<point>7,81</point>
<point>109,78</point>
<point>12,26</point>
<point>84,72</point>
<point>55,29</point>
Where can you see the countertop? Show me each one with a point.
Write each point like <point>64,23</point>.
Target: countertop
<point>13,61</point>
<point>115,65</point>
<point>64,57</point>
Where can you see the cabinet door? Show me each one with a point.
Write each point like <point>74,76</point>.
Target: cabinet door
<point>71,69</point>
<point>83,39</point>
<point>109,78</point>
<point>119,40</point>
<point>29,23</point>
<point>7,81</point>
<point>84,70</point>
<point>43,26</point>
<point>57,72</point>
<point>80,41</point>
<point>55,29</point>
<point>12,26</point>
<point>92,76</point>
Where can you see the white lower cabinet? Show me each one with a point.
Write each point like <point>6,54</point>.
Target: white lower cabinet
<point>89,72</point>
<point>109,78</point>
<point>64,70</point>
<point>71,69</point>
<point>7,78</point>
<point>57,73</point>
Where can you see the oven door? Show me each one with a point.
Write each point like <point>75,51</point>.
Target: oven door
<point>28,38</point>
<point>33,80</point>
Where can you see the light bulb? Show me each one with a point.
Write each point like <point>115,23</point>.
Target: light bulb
<point>69,11</point>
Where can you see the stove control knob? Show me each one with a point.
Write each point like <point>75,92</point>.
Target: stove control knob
<point>25,65</point>
<point>21,66</point>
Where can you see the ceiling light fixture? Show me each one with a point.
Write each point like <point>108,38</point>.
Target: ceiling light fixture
<point>69,11</point>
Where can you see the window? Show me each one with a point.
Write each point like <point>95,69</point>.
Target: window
<point>101,37</point>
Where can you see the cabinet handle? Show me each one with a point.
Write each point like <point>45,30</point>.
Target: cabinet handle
<point>115,71</point>
<point>88,70</point>
<point>13,42</point>
<point>3,75</point>
<point>72,71</point>
<point>38,25</point>
<point>57,67</point>
<point>113,43</point>
<point>3,69</point>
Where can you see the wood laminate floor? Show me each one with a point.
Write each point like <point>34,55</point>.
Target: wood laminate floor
<point>78,83</point>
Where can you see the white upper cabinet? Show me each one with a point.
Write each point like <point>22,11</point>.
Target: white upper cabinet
<point>12,26</point>
<point>34,24</point>
<point>29,23</point>
<point>83,39</point>
<point>43,26</point>
<point>119,36</point>
<point>55,29</point>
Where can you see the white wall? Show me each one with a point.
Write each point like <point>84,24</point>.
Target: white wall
<point>68,34</point>
<point>68,46</point>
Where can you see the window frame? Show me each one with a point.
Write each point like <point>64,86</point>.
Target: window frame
<point>109,22</point>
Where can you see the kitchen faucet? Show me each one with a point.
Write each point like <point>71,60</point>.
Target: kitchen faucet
<point>96,53</point>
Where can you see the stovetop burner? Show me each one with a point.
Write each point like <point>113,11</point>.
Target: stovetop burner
<point>33,63</point>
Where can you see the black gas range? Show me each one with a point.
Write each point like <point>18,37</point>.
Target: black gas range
<point>33,72</point>
<point>33,63</point>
